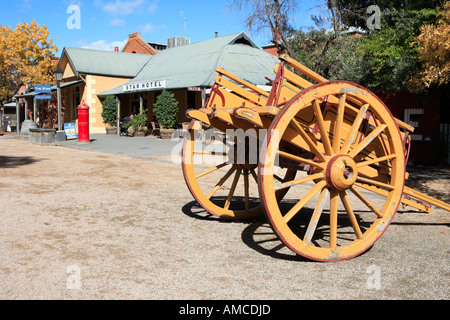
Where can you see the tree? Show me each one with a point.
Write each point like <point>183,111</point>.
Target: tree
<point>25,58</point>
<point>333,27</point>
<point>434,53</point>
<point>269,14</point>
<point>343,60</point>
<point>382,60</point>
<point>354,12</point>
<point>335,19</point>
<point>392,58</point>
<point>166,110</point>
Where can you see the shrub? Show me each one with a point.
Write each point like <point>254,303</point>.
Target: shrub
<point>166,110</point>
<point>138,122</point>
<point>109,113</point>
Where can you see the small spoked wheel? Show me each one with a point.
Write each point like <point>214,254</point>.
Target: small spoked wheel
<point>351,152</point>
<point>224,184</point>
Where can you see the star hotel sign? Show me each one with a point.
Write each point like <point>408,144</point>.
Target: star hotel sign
<point>144,86</point>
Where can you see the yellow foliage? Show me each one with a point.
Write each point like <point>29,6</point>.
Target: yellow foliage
<point>25,57</point>
<point>434,53</point>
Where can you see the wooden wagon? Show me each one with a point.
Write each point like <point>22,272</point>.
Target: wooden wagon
<point>325,161</point>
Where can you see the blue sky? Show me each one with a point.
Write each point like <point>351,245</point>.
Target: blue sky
<point>104,24</point>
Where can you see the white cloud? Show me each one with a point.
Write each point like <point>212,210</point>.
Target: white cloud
<point>122,7</point>
<point>126,7</point>
<point>104,45</point>
<point>153,7</point>
<point>26,4</point>
<point>117,22</point>
<point>149,28</point>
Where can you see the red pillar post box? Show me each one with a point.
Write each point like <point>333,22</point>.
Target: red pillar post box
<point>83,123</point>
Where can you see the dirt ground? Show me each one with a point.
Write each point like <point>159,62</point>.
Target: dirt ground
<point>84,225</point>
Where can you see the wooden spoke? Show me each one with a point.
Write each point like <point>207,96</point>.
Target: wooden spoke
<point>204,173</point>
<point>376,160</point>
<point>351,214</point>
<point>307,139</point>
<point>292,183</point>
<point>323,198</point>
<point>366,202</point>
<point>354,129</point>
<point>300,159</point>
<point>367,140</point>
<point>375,183</point>
<point>318,187</point>
<point>333,218</point>
<point>233,189</point>
<point>323,132</point>
<point>221,182</point>
<point>338,124</point>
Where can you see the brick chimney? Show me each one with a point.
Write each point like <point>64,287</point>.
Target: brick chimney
<point>136,44</point>
<point>134,35</point>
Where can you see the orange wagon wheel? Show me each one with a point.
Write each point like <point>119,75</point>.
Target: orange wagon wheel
<point>222,186</point>
<point>344,203</point>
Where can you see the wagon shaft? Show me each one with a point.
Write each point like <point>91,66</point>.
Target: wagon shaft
<point>334,144</point>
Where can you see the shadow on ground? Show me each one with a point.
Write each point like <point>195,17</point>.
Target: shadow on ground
<point>12,162</point>
<point>420,176</point>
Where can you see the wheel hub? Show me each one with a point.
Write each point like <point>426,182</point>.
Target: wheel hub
<point>341,172</point>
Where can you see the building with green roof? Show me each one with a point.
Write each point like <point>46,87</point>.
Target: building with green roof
<point>136,80</point>
<point>92,72</point>
<point>189,71</point>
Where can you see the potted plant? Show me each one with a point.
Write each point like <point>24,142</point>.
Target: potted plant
<point>166,112</point>
<point>109,114</point>
<point>138,125</point>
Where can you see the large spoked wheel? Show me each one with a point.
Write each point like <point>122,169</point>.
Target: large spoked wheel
<point>222,184</point>
<point>353,148</point>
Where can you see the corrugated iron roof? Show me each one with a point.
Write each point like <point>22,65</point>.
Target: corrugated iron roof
<point>107,63</point>
<point>194,65</point>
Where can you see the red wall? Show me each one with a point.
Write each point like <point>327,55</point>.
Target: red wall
<point>423,114</point>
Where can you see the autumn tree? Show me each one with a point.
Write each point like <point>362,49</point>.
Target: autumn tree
<point>274,15</point>
<point>25,58</point>
<point>434,53</point>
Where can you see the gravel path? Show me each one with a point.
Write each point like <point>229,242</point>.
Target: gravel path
<point>79,224</point>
